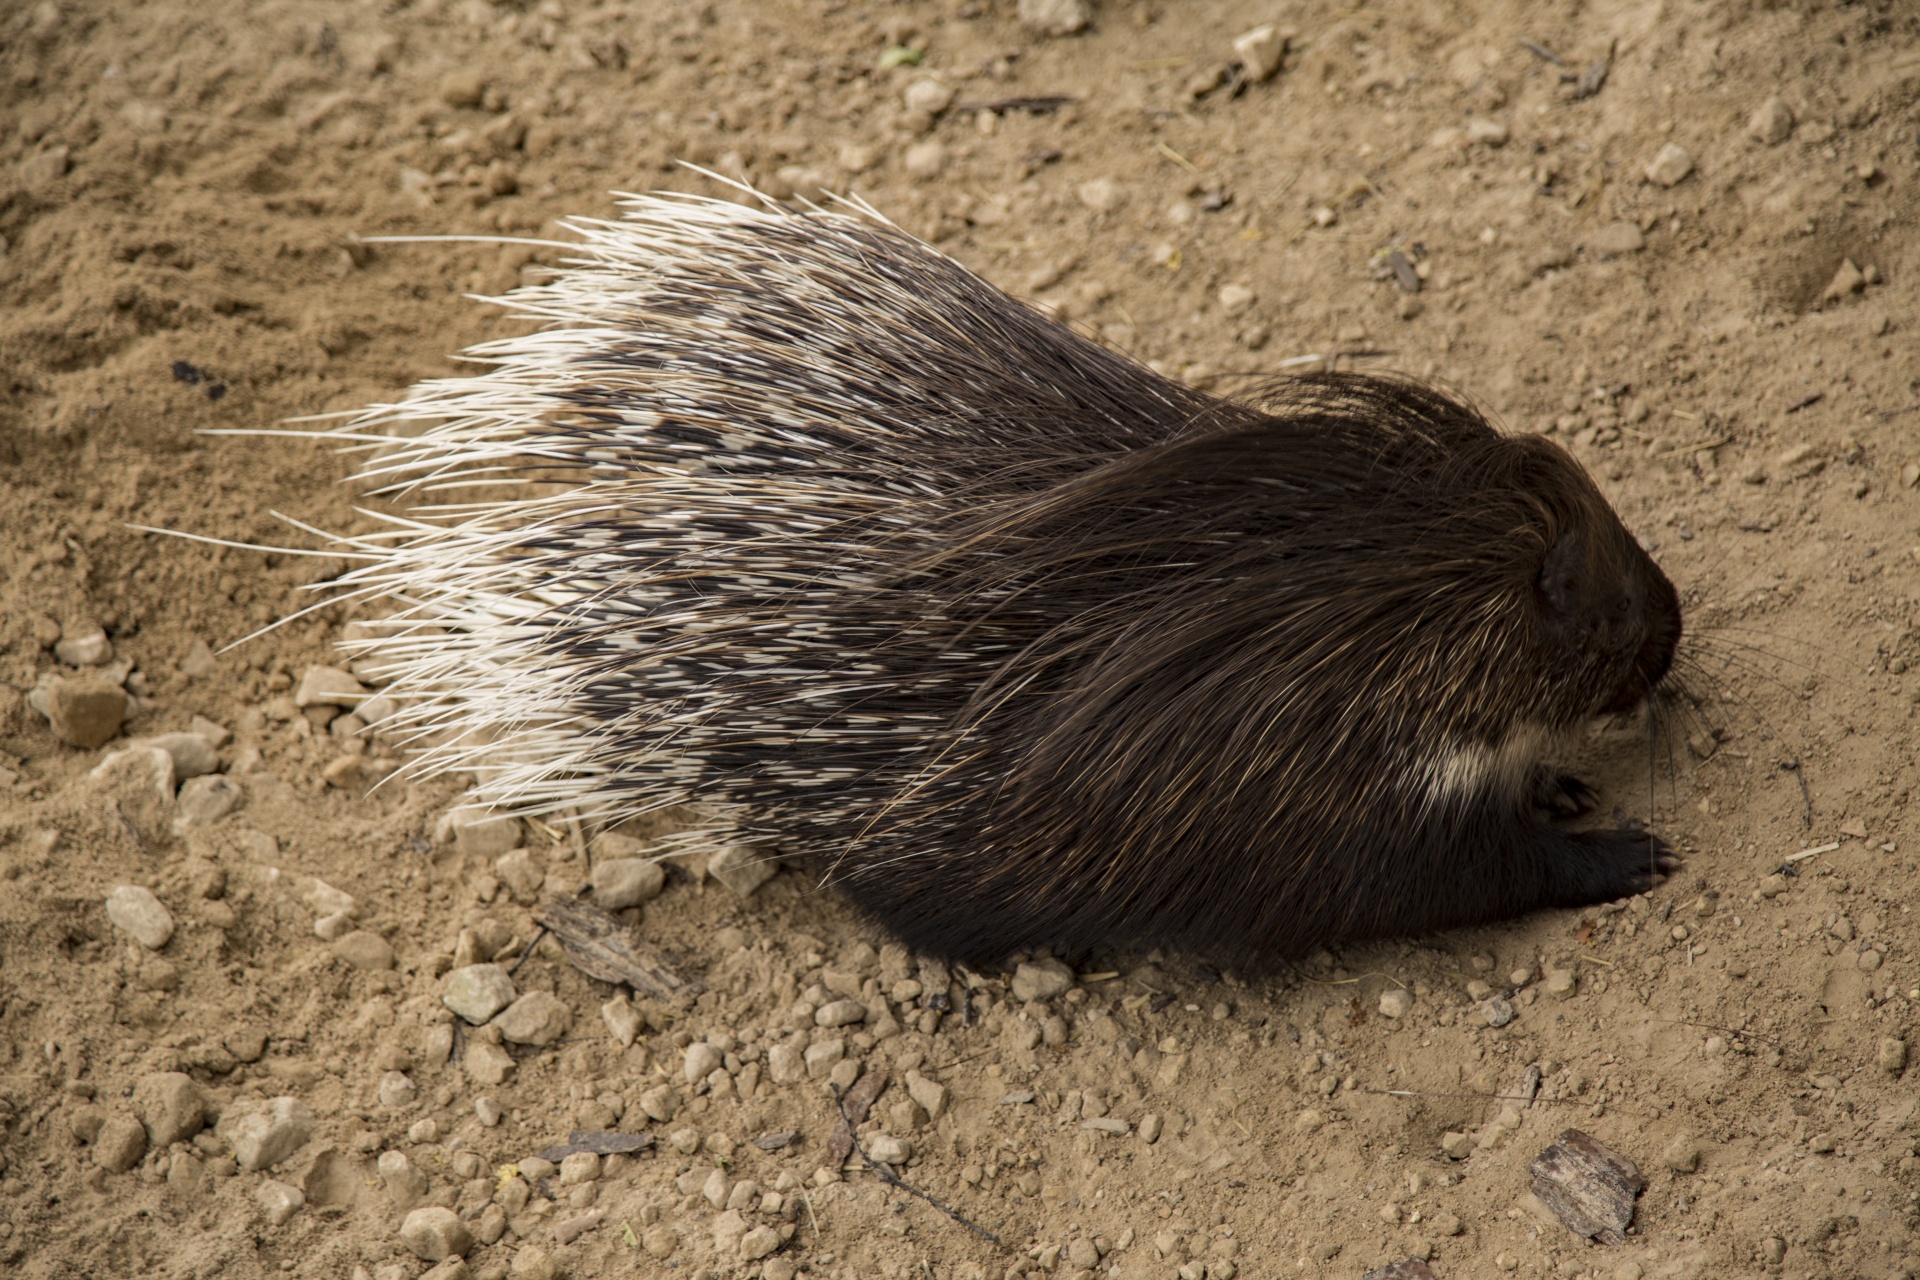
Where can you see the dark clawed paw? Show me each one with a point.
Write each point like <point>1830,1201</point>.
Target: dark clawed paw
<point>1563,797</point>
<point>1605,865</point>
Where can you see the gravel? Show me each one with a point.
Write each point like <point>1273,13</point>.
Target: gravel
<point>537,1018</point>
<point>1669,166</point>
<point>364,950</point>
<point>433,1233</point>
<point>279,1201</point>
<point>263,1134</point>
<point>171,1105</point>
<point>141,916</point>
<point>1041,980</point>
<point>627,882</point>
<point>477,992</point>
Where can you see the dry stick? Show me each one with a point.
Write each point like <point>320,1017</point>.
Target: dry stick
<point>1478,1097</point>
<point>888,1176</point>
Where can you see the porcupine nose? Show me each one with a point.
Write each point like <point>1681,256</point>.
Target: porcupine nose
<point>1660,611</point>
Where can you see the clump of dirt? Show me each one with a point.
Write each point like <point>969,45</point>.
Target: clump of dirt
<point>1677,239</point>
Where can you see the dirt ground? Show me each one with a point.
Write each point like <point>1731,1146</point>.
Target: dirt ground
<point>1724,333</point>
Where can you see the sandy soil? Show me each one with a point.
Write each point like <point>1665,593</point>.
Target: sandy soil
<point>1725,337</point>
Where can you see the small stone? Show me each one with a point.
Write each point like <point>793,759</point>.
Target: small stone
<point>520,874</point>
<point>1456,1145</point>
<point>624,1022</point>
<point>279,1201</point>
<point>840,1013</point>
<point>264,1134</point>
<point>141,916</point>
<point>45,167</point>
<point>1083,1253</point>
<point>433,1233</point>
<point>477,992</point>
<point>925,160</point>
<point>1041,980</point>
<point>1847,279</point>
<point>758,1242</point>
<point>887,1149</point>
<point>83,645</point>
<point>627,882</point>
<point>1892,1055</point>
<point>1771,122</point>
<point>171,1105</point>
<point>1498,1011</point>
<point>1446,1224</point>
<point>930,1094</point>
<point>198,662</point>
<point>479,833</point>
<point>397,1090</point>
<point>205,800</point>
<point>660,1240</point>
<point>700,1061</point>
<point>120,1143</point>
<point>660,1103</point>
<point>824,1056</point>
<point>1260,51</point>
<point>193,754</point>
<point>743,868</point>
<point>1616,240</point>
<point>1489,133</point>
<point>487,1111</point>
<point>1772,886</point>
<point>1101,195</point>
<point>1682,1154</point>
<point>1056,17</point>
<point>1669,166</point>
<point>1235,299</point>
<point>1396,1003</point>
<point>578,1168</point>
<point>1150,1128</point>
<point>364,950</point>
<point>1561,984</point>
<point>328,687</point>
<point>537,1018</point>
<point>786,1064</point>
<point>463,88</point>
<point>248,1044</point>
<point>928,96</point>
<point>1822,1144</point>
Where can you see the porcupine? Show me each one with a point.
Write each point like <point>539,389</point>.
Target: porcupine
<point>1018,642</point>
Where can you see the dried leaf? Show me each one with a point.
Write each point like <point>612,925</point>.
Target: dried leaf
<point>777,1141</point>
<point>601,1142</point>
<point>1588,1186</point>
<point>601,947</point>
<point>853,1111</point>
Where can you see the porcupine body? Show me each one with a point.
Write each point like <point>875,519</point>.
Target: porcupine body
<point>1016,641</point>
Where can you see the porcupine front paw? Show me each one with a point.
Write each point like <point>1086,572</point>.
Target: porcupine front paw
<point>1561,797</point>
<point>1600,866</point>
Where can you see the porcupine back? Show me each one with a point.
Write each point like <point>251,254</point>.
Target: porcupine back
<point>1017,641</point>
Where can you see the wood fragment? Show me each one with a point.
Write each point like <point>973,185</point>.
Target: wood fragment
<point>1588,1186</point>
<point>602,947</point>
<point>777,1141</point>
<point>854,1105</point>
<point>601,1142</point>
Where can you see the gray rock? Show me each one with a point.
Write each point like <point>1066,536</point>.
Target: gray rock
<point>204,801</point>
<point>1669,166</point>
<point>1056,17</point>
<point>328,687</point>
<point>521,875</point>
<point>1616,240</point>
<point>1498,1011</point>
<point>279,1201</point>
<point>700,1060</point>
<point>537,1018</point>
<point>627,882</point>
<point>477,992</point>
<point>1771,122</point>
<point>624,1022</point>
<point>1041,980</point>
<point>1396,1003</point>
<point>193,753</point>
<point>743,868</point>
<point>83,645</point>
<point>397,1090</point>
<point>140,781</point>
<point>433,1233</point>
<point>840,1013</point>
<point>171,1106</point>
<point>887,1149</point>
<point>1260,51</point>
<point>137,913</point>
<point>364,950</point>
<point>119,1144</point>
<point>264,1134</point>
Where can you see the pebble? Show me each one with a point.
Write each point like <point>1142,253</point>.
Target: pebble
<point>1234,299</point>
<point>700,1061</point>
<point>1260,51</point>
<point>624,1022</point>
<point>193,754</point>
<point>477,992</point>
<point>364,950</point>
<point>83,645</point>
<point>743,868</point>
<point>1669,166</point>
<point>1771,122</point>
<point>536,1018</point>
<point>1456,1145</point>
<point>928,96</point>
<point>279,1201</point>
<point>1561,984</point>
<point>660,1240</point>
<point>1396,1003</point>
<point>328,687</point>
<point>1056,17</point>
<point>924,161</point>
<point>758,1242</point>
<point>1498,1011</point>
<point>573,1228</point>
<point>1892,1055</point>
<point>521,875</point>
<point>887,1149</point>
<point>119,1144</point>
<point>397,1090</point>
<point>463,88</point>
<point>138,914</point>
<point>171,1106</point>
<point>140,781</point>
<point>265,1133</point>
<point>203,801</point>
<point>930,1094</point>
<point>487,1111</point>
<point>840,1013</point>
<point>580,1167</point>
<point>1847,279</point>
<point>1682,1154</point>
<point>1150,1128</point>
<point>477,832</point>
<point>1491,133</point>
<point>1101,195</point>
<point>1041,980</point>
<point>627,882</point>
<point>433,1233</point>
<point>1616,240</point>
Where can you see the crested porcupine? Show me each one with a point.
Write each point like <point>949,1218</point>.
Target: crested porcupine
<point>1018,642</point>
